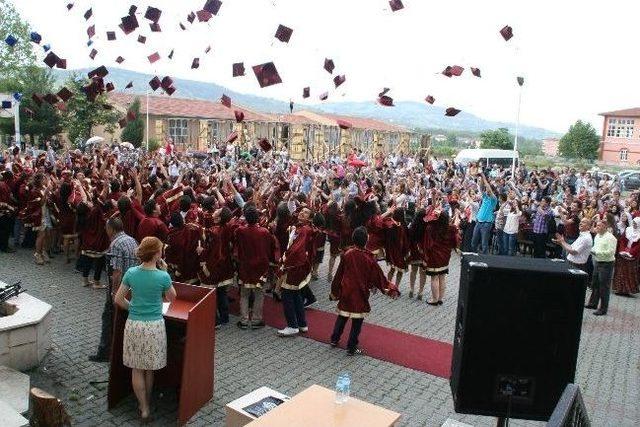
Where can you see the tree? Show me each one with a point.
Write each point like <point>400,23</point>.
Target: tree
<point>133,132</point>
<point>36,121</point>
<point>13,59</point>
<point>82,115</point>
<point>580,142</point>
<point>499,138</point>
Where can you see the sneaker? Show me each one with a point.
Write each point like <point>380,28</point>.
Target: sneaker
<point>599,313</point>
<point>257,325</point>
<point>310,302</point>
<point>354,351</point>
<point>303,329</point>
<point>288,332</point>
<point>38,259</point>
<point>242,325</point>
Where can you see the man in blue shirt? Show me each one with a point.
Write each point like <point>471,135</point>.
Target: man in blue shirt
<point>485,218</point>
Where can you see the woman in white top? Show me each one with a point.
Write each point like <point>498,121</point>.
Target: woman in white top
<point>513,211</point>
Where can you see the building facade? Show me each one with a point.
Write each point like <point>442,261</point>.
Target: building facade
<point>620,143</point>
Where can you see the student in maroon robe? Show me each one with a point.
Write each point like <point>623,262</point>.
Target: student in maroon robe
<point>415,234</point>
<point>181,249</point>
<point>90,224</point>
<point>130,213</point>
<point>7,212</point>
<point>357,274</point>
<point>66,218</point>
<point>440,238</point>
<point>256,249</point>
<point>396,247</point>
<point>334,221</point>
<point>297,264</point>
<point>151,224</point>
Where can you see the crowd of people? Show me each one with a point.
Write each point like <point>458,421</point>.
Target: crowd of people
<point>260,221</point>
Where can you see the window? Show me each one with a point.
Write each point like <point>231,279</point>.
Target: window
<point>214,131</point>
<point>620,128</point>
<point>178,130</point>
<point>624,154</point>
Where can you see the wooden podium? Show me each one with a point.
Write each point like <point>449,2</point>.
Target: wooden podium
<point>190,323</point>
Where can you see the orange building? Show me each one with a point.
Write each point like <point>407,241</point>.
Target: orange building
<point>620,142</point>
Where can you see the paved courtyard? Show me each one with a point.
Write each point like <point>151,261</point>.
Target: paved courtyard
<point>608,365</point>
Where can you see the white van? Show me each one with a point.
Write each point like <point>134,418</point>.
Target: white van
<point>486,157</point>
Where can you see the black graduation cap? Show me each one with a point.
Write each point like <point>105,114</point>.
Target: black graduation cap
<point>101,72</point>
<point>267,74</point>
<point>306,92</point>
<point>324,96</point>
<point>129,85</point>
<point>182,27</point>
<point>520,81</point>
<point>226,101</point>
<point>451,112</point>
<point>65,94</point>
<point>154,83</point>
<point>506,32</point>
<point>385,101</point>
<point>238,69</point>
<point>62,64</point>
<point>170,56</point>
<point>51,98</point>
<point>119,59</point>
<point>384,92</point>
<point>167,82</point>
<point>170,90</point>
<point>111,35</point>
<point>51,59</point>
<point>239,116</point>
<point>453,70</point>
<point>430,99</point>
<point>204,15</point>
<point>142,39</point>
<point>93,54</point>
<point>264,144</point>
<point>35,37</point>
<point>476,72</point>
<point>153,14</point>
<point>195,64</point>
<point>69,6</point>
<point>109,87</point>
<point>132,9</point>
<point>129,24</point>
<point>212,6</point>
<point>329,65</point>
<point>155,27</point>
<point>88,14</point>
<point>284,33</point>
<point>11,40</point>
<point>191,17</point>
<point>91,31</point>
<point>208,49</point>
<point>153,57</point>
<point>6,105</point>
<point>291,106</point>
<point>396,5</point>
<point>338,80</point>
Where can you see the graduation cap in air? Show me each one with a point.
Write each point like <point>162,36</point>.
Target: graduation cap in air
<point>51,59</point>
<point>226,101</point>
<point>384,92</point>
<point>182,27</point>
<point>51,98</point>
<point>69,6</point>
<point>153,14</point>
<point>89,42</point>
<point>155,27</point>
<point>170,90</point>
<point>65,94</point>
<point>306,92</point>
<point>129,85</point>
<point>324,96</point>
<point>154,83</point>
<point>62,64</point>
<point>191,17</point>
<point>93,54</point>
<point>338,80</point>
<point>119,59</point>
<point>232,137</point>
<point>284,33</point>
<point>329,65</point>
<point>110,87</point>
<point>520,81</point>
<point>142,39</point>
<point>11,40</point>
<point>37,99</point>
<point>454,70</point>
<point>475,72</point>
<point>212,6</point>
<point>35,37</point>
<point>132,9</point>
<point>238,69</point>
<point>111,35</point>
<point>88,14</point>
<point>91,31</point>
<point>46,47</point>
<point>385,101</point>
<point>267,74</point>
<point>264,144</point>
<point>343,124</point>
<point>170,56</point>
<point>291,106</point>
<point>153,57</point>
<point>204,15</point>
<point>101,72</point>
<point>239,116</point>
<point>129,24</point>
<point>430,99</point>
<point>506,32</point>
<point>208,49</point>
<point>450,112</point>
<point>396,5</point>
<point>166,83</point>
<point>6,105</point>
<point>196,63</point>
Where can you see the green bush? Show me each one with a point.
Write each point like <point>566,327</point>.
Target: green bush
<point>154,144</point>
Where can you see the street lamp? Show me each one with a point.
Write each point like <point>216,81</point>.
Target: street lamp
<point>515,144</point>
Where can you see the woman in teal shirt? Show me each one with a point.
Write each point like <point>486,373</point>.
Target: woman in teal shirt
<point>145,338</point>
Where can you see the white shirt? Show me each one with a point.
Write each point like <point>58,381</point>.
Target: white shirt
<point>583,245</point>
<point>512,222</point>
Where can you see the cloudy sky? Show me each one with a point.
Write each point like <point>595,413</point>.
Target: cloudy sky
<point>577,57</point>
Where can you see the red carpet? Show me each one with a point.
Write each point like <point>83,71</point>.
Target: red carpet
<point>400,348</point>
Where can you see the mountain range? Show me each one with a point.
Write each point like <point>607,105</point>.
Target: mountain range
<point>407,113</point>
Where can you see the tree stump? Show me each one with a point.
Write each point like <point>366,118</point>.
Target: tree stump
<point>47,410</point>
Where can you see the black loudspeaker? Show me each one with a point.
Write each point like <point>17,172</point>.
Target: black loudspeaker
<point>517,335</point>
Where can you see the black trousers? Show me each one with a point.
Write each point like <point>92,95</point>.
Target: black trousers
<point>601,285</point>
<point>86,263</point>
<point>307,294</point>
<point>6,227</point>
<point>539,245</point>
<point>107,326</point>
<point>222,311</point>
<point>293,308</point>
<point>356,327</point>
